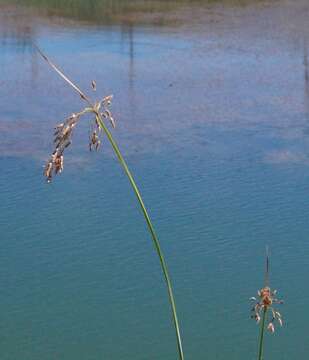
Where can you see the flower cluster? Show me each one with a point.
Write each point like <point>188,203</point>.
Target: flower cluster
<point>62,139</point>
<point>267,298</point>
<point>64,131</point>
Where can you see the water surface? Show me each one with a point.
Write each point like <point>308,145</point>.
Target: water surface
<point>211,100</point>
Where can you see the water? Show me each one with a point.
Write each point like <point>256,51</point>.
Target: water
<point>211,101</point>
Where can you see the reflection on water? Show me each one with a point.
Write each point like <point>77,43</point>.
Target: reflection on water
<point>121,11</point>
<point>306,76</point>
<point>211,100</point>
<point>198,50</point>
<point>19,19</point>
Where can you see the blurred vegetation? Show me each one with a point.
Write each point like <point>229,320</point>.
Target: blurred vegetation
<point>113,11</point>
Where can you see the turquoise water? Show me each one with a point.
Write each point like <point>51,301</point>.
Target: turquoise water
<point>212,108</point>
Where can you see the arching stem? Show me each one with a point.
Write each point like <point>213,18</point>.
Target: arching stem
<point>124,165</point>
<point>150,227</point>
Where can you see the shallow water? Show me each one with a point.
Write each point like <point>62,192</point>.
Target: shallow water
<point>211,101</point>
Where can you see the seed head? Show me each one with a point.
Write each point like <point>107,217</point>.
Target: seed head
<point>266,301</point>
<point>64,131</point>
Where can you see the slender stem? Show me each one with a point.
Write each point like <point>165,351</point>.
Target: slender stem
<point>151,229</point>
<point>136,191</point>
<point>262,330</point>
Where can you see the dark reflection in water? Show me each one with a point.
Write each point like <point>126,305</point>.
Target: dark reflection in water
<point>19,19</point>
<point>306,74</point>
<point>122,11</point>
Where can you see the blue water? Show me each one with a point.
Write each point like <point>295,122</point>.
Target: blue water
<point>211,104</point>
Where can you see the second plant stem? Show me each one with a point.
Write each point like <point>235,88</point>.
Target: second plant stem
<point>261,340</point>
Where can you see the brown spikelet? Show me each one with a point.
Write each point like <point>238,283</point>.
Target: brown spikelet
<point>63,134</point>
<point>266,301</point>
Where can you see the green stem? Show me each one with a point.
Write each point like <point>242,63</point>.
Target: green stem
<point>261,342</point>
<point>151,229</point>
<point>94,109</point>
